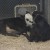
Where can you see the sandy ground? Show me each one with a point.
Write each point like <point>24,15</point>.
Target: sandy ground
<point>21,43</point>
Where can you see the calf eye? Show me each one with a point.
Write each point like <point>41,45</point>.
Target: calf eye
<point>27,19</point>
<point>30,21</point>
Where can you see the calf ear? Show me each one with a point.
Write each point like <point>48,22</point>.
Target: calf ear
<point>36,12</point>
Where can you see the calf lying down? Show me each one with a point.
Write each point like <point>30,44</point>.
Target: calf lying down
<point>41,30</point>
<point>17,24</point>
<point>37,26</point>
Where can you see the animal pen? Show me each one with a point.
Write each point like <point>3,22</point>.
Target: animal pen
<point>11,9</point>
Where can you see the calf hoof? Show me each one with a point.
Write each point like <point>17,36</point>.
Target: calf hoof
<point>30,40</point>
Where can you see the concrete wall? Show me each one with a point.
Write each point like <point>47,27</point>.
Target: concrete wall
<point>47,10</point>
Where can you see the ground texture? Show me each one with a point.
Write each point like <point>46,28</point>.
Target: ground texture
<point>21,43</point>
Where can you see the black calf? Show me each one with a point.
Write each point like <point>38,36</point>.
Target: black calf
<point>41,30</point>
<point>17,24</point>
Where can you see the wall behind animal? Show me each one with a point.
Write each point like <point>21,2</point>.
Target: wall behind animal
<point>47,10</point>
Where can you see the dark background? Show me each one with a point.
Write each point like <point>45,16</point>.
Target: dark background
<point>7,6</point>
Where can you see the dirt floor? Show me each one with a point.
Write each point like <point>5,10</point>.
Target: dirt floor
<point>21,43</point>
